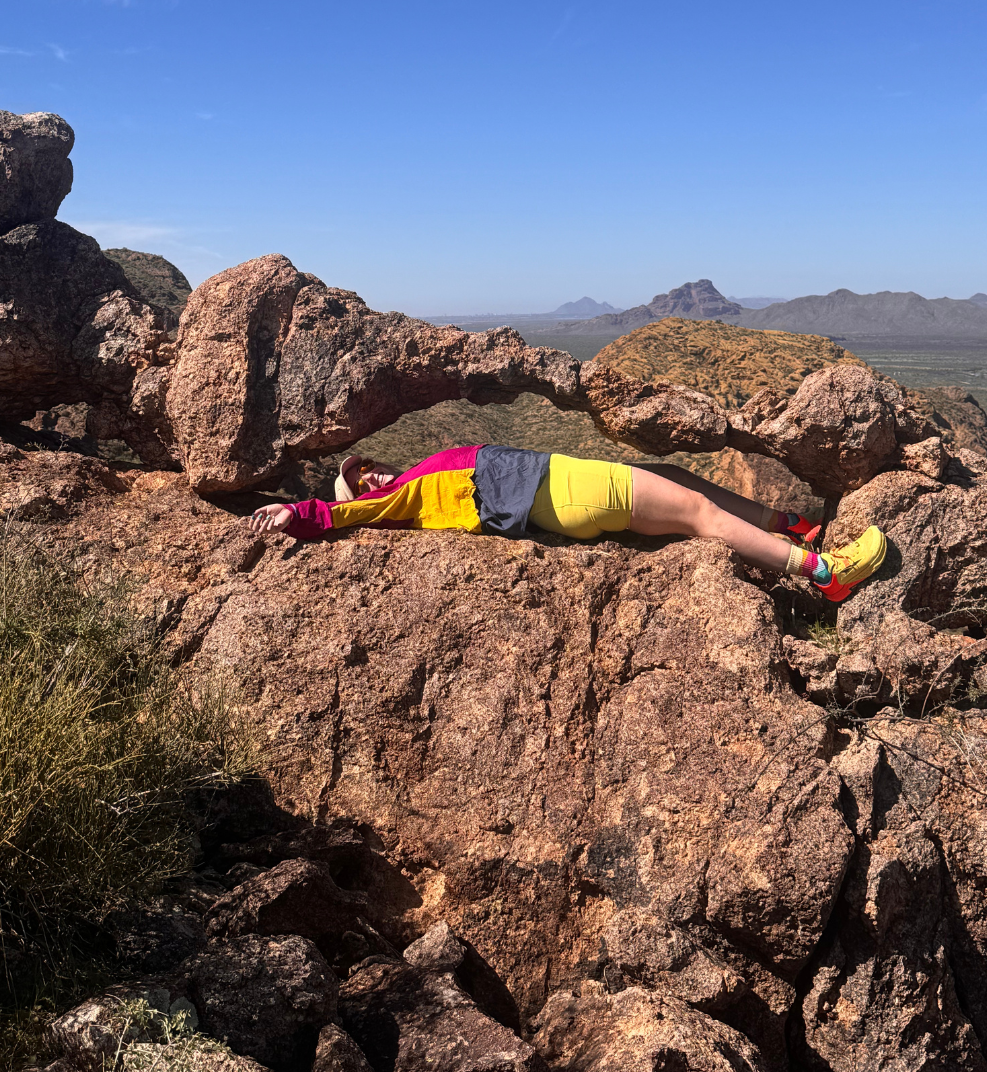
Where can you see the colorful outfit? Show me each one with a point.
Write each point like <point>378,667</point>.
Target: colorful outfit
<point>490,489</point>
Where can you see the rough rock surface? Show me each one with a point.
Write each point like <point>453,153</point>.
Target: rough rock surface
<point>637,1031</point>
<point>899,638</point>
<point>601,770</point>
<point>98,1027</point>
<point>273,367</point>
<point>154,278</point>
<point>35,169</point>
<point>839,429</point>
<point>267,997</point>
<point>294,897</point>
<point>405,1019</point>
<point>892,976</point>
<point>72,330</point>
<point>337,1052</point>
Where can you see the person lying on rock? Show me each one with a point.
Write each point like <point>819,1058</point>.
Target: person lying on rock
<point>503,491</point>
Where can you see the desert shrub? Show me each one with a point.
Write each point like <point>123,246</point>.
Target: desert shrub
<point>101,742</point>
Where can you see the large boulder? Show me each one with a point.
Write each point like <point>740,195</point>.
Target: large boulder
<point>912,637</point>
<point>839,429</point>
<point>294,897</point>
<point>609,728</point>
<point>35,169</point>
<point>268,998</point>
<point>73,330</point>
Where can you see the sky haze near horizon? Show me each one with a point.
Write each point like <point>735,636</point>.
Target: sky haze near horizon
<point>453,158</point>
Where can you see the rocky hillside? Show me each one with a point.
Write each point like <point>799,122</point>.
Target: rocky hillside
<point>536,804</point>
<point>732,364</point>
<point>155,279</point>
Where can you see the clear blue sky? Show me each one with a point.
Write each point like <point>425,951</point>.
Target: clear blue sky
<point>477,156</point>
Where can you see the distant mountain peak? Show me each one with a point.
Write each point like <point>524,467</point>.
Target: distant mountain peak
<point>693,301</point>
<point>979,298</point>
<point>585,307</point>
<point>696,301</point>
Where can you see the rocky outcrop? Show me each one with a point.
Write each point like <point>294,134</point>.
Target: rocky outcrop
<point>34,166</point>
<point>273,367</point>
<point>72,328</point>
<point>608,769</point>
<point>623,805</point>
<point>729,363</point>
<point>155,279</point>
<point>293,897</point>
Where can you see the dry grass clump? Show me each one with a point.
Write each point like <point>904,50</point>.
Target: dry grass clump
<point>100,744</point>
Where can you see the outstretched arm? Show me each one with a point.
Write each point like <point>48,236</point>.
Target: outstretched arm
<point>273,518</point>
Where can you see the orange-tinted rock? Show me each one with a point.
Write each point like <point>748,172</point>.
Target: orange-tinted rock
<point>558,744</point>
<point>638,1031</point>
<point>836,432</point>
<point>274,367</point>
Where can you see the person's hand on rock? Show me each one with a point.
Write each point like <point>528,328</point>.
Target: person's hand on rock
<point>272,518</point>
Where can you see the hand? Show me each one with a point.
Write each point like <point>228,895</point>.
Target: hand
<point>273,518</point>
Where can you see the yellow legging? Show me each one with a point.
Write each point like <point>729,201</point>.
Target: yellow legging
<point>583,499</point>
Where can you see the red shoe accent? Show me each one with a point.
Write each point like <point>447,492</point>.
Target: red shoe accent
<point>834,591</point>
<point>803,531</point>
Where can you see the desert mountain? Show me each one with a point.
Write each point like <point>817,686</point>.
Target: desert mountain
<point>696,301</point>
<point>979,298</point>
<point>155,279</point>
<point>887,313</point>
<point>755,303</point>
<point>840,313</point>
<point>584,307</point>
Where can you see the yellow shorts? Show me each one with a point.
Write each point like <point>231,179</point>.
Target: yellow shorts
<point>583,499</point>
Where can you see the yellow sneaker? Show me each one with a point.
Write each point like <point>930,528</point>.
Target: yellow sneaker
<point>853,563</point>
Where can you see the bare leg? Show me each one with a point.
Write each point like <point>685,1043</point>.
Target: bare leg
<point>664,507</point>
<point>735,504</point>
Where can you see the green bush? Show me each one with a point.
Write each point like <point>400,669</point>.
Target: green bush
<point>101,742</point>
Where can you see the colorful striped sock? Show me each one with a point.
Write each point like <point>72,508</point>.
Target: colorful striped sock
<point>782,522</point>
<point>802,563</point>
